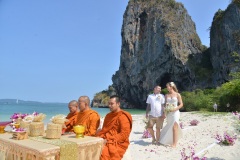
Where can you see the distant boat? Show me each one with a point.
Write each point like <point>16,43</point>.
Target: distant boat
<point>17,101</point>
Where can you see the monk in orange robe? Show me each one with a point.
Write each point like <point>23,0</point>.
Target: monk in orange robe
<point>116,129</point>
<point>87,117</point>
<point>72,116</point>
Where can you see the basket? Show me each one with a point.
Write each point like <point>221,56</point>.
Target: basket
<point>36,129</point>
<point>25,125</point>
<point>54,131</point>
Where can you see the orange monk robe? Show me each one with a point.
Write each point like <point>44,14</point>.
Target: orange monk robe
<point>72,118</point>
<point>90,119</point>
<point>116,130</point>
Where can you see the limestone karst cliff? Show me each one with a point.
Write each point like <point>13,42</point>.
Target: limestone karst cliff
<point>157,38</point>
<point>225,42</point>
<point>160,44</point>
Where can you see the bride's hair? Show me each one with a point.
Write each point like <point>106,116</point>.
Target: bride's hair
<point>172,84</point>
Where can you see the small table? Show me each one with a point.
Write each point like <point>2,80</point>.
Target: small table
<point>89,148</point>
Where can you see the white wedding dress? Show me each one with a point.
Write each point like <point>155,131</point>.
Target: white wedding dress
<point>166,137</point>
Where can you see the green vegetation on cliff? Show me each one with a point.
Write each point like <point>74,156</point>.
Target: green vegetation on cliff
<point>101,98</point>
<point>220,13</point>
<point>237,2</point>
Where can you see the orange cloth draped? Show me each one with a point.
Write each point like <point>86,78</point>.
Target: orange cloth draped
<point>90,119</point>
<point>72,117</point>
<point>116,130</point>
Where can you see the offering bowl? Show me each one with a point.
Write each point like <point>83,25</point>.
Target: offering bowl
<point>79,130</point>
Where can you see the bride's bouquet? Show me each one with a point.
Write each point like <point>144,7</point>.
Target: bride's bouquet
<point>146,133</point>
<point>169,108</point>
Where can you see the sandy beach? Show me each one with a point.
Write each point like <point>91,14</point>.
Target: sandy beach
<point>203,135</point>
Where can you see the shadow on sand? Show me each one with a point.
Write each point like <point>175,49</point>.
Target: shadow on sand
<point>215,158</point>
<point>141,142</point>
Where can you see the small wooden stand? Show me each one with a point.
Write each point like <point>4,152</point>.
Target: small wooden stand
<point>20,135</point>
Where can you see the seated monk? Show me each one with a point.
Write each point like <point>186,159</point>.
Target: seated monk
<point>87,117</point>
<point>116,129</point>
<point>72,116</point>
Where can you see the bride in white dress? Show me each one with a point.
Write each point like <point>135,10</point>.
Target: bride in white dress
<point>172,131</point>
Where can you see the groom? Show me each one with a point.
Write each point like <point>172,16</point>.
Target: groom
<point>155,103</point>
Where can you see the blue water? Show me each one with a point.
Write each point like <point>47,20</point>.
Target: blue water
<point>50,109</point>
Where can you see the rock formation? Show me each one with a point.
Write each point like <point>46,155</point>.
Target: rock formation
<point>157,38</point>
<point>225,42</point>
<point>160,44</point>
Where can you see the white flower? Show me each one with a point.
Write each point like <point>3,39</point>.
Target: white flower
<point>169,107</point>
<point>59,119</point>
<point>28,118</point>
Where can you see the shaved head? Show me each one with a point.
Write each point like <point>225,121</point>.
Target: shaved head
<point>85,99</point>
<point>73,106</point>
<point>73,102</point>
<point>84,103</point>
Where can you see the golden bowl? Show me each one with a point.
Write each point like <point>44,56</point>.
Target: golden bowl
<point>79,130</point>
<point>2,129</point>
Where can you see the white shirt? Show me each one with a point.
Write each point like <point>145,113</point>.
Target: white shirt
<point>156,102</point>
<point>215,106</point>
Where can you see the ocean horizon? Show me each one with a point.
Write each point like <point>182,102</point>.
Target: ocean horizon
<point>49,109</point>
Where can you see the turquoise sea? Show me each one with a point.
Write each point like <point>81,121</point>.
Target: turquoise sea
<point>50,109</point>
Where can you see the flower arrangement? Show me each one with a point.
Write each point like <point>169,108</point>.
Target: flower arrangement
<point>146,133</point>
<point>59,119</point>
<point>30,117</point>
<point>191,155</point>
<point>194,122</point>
<point>227,139</point>
<point>16,116</point>
<point>16,119</point>
<point>25,117</point>
<point>38,117</point>
<point>35,113</point>
<point>169,107</point>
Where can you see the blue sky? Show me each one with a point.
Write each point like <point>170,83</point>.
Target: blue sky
<point>57,50</point>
